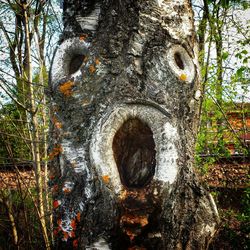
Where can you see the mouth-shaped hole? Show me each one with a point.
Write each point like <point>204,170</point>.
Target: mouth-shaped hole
<point>75,63</point>
<point>134,153</point>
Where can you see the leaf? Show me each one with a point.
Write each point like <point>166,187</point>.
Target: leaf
<point>239,72</point>
<point>245,60</point>
<point>225,55</point>
<point>245,52</point>
<point>238,55</point>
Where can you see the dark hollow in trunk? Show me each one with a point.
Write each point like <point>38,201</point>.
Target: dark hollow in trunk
<point>134,153</point>
<point>178,60</point>
<point>75,63</point>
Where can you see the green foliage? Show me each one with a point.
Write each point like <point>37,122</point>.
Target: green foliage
<point>233,233</point>
<point>221,87</point>
<point>26,219</point>
<point>11,129</point>
<point>245,215</point>
<point>230,3</point>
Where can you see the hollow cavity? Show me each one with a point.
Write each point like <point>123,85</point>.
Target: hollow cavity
<point>134,153</point>
<point>75,63</point>
<point>178,60</point>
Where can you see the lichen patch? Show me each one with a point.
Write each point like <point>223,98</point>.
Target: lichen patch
<point>183,77</point>
<point>57,150</point>
<point>92,69</point>
<point>66,88</point>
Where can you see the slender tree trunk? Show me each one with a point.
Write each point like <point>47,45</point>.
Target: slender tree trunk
<point>7,204</point>
<point>40,38</point>
<point>125,110</point>
<point>45,155</point>
<point>202,33</point>
<point>217,29</point>
<point>35,130</point>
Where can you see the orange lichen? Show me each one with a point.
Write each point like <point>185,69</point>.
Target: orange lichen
<point>56,122</point>
<point>183,77</point>
<point>55,188</point>
<point>105,179</point>
<point>66,88</point>
<point>73,224</point>
<point>72,234</point>
<point>92,69</point>
<point>83,37</point>
<point>97,61</point>
<point>65,235</point>
<point>56,151</point>
<point>66,190</point>
<point>75,243</point>
<point>78,216</point>
<point>56,204</point>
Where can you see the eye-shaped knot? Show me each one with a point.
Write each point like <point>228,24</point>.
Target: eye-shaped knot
<point>69,58</point>
<point>181,63</point>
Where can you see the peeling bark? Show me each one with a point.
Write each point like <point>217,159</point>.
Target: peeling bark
<point>125,72</point>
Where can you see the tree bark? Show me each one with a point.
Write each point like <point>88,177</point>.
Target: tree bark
<point>8,207</point>
<point>125,110</point>
<point>35,130</point>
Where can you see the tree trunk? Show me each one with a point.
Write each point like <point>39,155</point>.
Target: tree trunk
<point>34,130</point>
<point>125,106</point>
<point>8,206</point>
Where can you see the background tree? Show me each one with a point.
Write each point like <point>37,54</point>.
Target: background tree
<point>224,55</point>
<point>27,37</point>
<point>223,142</point>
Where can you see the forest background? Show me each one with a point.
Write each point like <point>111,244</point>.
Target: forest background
<point>29,32</point>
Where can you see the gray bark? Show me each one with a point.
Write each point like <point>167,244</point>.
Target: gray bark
<point>125,105</point>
